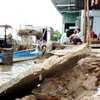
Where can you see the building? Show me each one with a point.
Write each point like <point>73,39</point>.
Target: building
<point>70,15</point>
<point>47,29</point>
<point>72,12</point>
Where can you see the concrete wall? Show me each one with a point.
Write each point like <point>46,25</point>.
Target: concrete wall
<point>50,31</point>
<point>96,20</point>
<point>26,40</point>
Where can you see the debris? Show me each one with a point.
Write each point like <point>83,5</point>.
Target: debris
<point>40,77</point>
<point>81,82</point>
<point>89,84</point>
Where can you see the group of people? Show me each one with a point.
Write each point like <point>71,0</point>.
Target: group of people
<point>75,38</point>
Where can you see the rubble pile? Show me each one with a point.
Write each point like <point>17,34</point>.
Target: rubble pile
<point>27,32</point>
<point>79,83</point>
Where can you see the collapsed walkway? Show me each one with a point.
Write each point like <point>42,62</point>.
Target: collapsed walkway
<point>21,76</point>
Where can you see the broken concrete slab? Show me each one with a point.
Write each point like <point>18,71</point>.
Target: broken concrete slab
<point>90,83</point>
<point>65,51</point>
<point>95,50</point>
<point>30,75</point>
<point>94,45</point>
<point>80,85</point>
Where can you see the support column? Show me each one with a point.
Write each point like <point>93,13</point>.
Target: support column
<point>84,25</point>
<point>88,19</point>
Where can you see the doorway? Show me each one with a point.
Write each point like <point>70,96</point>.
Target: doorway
<point>68,25</point>
<point>45,35</point>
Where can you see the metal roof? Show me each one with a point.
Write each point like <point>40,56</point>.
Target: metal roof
<point>65,5</point>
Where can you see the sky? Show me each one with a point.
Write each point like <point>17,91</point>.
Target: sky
<point>36,12</point>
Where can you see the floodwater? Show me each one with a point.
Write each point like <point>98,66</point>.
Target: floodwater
<point>8,73</point>
<point>17,66</point>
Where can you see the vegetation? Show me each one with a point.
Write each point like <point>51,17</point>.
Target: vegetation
<point>57,35</point>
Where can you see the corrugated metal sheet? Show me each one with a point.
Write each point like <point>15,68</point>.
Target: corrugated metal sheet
<point>69,5</point>
<point>64,5</point>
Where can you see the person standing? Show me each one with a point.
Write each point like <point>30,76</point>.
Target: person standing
<point>64,38</point>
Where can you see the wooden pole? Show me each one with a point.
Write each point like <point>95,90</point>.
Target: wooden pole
<point>84,25</point>
<point>44,32</point>
<point>96,1</point>
<point>88,20</point>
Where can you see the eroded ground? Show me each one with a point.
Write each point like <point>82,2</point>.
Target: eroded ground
<point>79,83</point>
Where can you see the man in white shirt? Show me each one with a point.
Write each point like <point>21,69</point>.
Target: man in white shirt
<point>40,44</point>
<point>78,38</point>
<point>79,34</point>
<point>64,38</point>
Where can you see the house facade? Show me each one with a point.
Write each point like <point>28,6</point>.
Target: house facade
<point>72,12</point>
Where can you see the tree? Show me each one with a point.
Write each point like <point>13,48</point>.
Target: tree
<point>57,35</point>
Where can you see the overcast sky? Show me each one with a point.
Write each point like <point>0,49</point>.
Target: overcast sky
<point>36,12</point>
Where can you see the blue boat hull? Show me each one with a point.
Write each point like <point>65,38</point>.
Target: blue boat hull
<point>20,56</point>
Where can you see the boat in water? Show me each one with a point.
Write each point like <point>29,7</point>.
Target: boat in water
<point>23,55</point>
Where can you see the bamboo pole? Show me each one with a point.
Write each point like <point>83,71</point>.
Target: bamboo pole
<point>84,25</point>
<point>88,20</point>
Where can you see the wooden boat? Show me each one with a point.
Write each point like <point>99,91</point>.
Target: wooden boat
<point>23,55</point>
<point>17,56</point>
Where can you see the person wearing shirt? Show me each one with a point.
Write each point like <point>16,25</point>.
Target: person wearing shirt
<point>40,44</point>
<point>78,38</point>
<point>93,36</point>
<point>72,36</point>
<point>64,38</point>
<point>11,42</point>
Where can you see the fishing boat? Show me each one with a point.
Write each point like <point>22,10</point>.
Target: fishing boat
<point>23,55</point>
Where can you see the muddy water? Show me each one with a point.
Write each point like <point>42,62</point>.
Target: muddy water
<point>8,72</point>
<point>17,66</point>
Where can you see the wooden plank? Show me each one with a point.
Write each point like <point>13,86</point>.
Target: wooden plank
<point>88,20</point>
<point>70,50</point>
<point>95,50</point>
<point>94,45</point>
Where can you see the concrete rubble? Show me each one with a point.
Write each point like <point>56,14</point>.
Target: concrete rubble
<point>79,83</point>
<point>22,75</point>
<point>69,74</point>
